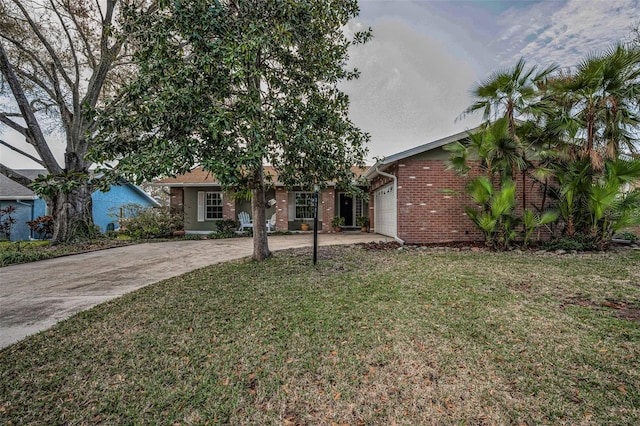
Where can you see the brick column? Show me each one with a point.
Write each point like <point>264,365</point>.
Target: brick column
<point>282,210</point>
<point>228,206</point>
<point>176,199</point>
<point>327,201</point>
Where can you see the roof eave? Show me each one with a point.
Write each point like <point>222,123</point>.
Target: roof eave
<point>18,197</point>
<point>387,161</point>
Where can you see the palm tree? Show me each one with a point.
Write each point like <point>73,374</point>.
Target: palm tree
<point>497,151</point>
<point>509,93</point>
<point>598,103</point>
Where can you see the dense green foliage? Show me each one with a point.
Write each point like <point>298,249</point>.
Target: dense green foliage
<point>149,222</point>
<point>232,86</point>
<point>574,132</point>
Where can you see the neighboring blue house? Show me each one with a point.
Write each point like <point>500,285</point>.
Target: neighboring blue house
<point>29,206</point>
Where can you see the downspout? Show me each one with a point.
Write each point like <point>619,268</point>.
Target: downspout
<point>395,205</point>
<point>33,206</point>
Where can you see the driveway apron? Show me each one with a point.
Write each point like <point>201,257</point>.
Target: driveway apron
<point>35,296</point>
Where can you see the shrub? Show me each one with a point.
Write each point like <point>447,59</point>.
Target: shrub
<point>227,225</point>
<point>337,221</point>
<point>630,236</point>
<point>150,222</point>
<point>6,221</point>
<point>579,242</point>
<point>42,226</point>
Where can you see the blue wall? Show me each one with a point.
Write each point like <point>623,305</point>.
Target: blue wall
<point>104,203</point>
<point>109,203</point>
<point>26,211</point>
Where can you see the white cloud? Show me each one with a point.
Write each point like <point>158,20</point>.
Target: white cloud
<point>564,32</point>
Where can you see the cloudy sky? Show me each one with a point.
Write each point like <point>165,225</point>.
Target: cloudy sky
<point>426,55</point>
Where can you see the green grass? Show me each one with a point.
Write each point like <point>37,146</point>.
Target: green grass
<point>408,338</point>
<point>16,252</point>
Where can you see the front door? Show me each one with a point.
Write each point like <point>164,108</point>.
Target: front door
<point>346,209</point>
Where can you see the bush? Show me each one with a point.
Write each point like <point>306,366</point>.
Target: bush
<point>227,225</point>
<point>151,222</point>
<point>6,221</point>
<point>15,257</point>
<point>42,226</point>
<point>630,236</point>
<point>579,242</point>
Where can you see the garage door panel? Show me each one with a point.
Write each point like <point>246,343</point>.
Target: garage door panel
<point>385,210</point>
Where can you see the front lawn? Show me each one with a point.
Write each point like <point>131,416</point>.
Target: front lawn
<point>369,337</point>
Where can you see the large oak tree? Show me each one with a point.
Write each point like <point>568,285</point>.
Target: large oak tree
<point>233,85</point>
<point>57,60</point>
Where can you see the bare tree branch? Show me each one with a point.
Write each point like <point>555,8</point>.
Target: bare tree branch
<point>37,81</point>
<point>45,43</point>
<point>108,55</point>
<point>84,38</point>
<point>32,58</point>
<point>34,132</point>
<point>21,152</point>
<point>4,118</point>
<point>72,48</point>
<point>15,176</point>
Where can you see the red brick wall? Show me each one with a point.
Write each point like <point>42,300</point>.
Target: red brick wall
<point>228,206</point>
<point>426,212</point>
<point>282,210</point>
<point>328,206</point>
<point>176,198</point>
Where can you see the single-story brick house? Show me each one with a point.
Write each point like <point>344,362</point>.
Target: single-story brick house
<point>200,196</point>
<point>414,198</point>
<point>30,206</point>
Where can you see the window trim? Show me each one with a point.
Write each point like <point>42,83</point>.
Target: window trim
<point>203,198</point>
<point>310,201</point>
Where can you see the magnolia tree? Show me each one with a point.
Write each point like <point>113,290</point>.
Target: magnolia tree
<point>234,85</point>
<point>58,58</point>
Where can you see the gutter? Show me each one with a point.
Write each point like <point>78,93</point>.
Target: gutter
<point>395,205</point>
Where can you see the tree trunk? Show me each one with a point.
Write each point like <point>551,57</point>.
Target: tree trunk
<point>258,206</point>
<point>72,215</point>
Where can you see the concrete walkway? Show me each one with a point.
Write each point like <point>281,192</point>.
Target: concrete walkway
<point>35,296</point>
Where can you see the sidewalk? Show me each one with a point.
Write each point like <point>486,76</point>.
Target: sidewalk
<point>35,296</point>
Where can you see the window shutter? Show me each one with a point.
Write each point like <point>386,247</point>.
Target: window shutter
<point>200,206</point>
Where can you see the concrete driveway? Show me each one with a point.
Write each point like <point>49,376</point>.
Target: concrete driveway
<point>35,296</point>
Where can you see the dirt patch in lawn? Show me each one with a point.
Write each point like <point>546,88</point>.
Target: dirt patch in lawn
<point>629,311</point>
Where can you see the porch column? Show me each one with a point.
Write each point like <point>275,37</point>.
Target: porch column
<point>328,208</point>
<point>282,210</point>
<point>176,198</point>
<point>228,206</point>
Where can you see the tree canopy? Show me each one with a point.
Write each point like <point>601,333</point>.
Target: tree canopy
<point>58,59</point>
<point>232,85</point>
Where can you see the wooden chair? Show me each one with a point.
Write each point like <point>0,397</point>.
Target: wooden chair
<point>245,221</point>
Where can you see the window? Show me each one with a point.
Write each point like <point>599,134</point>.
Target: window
<point>361,208</point>
<point>304,205</point>
<point>213,205</point>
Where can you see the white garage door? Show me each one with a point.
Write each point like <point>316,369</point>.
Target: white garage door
<point>385,211</point>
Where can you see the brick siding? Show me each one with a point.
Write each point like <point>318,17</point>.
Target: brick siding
<point>431,201</point>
